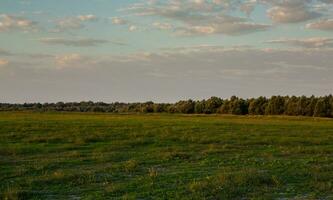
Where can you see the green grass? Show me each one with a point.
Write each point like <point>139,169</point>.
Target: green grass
<point>101,156</point>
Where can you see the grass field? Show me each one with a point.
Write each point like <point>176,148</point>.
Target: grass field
<point>101,156</point>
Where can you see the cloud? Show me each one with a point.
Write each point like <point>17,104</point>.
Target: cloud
<point>323,24</point>
<point>39,56</point>
<point>5,53</point>
<point>228,28</point>
<point>69,60</point>
<point>87,17</point>
<point>118,21</point>
<point>3,62</point>
<point>306,43</point>
<point>176,73</point>
<point>291,11</point>
<point>200,17</point>
<point>248,7</point>
<point>327,1</point>
<point>132,28</point>
<point>220,24</point>
<point>83,42</point>
<point>203,17</point>
<point>162,26</point>
<point>74,22</point>
<point>11,23</point>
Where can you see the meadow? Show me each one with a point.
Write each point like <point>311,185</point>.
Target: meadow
<point>164,156</point>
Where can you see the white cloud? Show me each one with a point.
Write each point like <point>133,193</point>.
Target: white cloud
<point>87,17</point>
<point>317,42</point>
<point>132,28</point>
<point>69,60</point>
<point>3,62</point>
<point>185,72</point>
<point>291,11</point>
<point>327,1</point>
<point>10,22</point>
<point>118,21</point>
<point>69,23</point>
<point>227,28</point>
<point>248,7</point>
<point>202,17</point>
<point>74,22</point>
<point>323,24</point>
<point>163,26</point>
<point>5,52</point>
<point>82,42</point>
<point>199,17</point>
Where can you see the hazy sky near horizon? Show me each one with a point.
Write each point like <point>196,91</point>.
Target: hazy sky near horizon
<point>163,50</point>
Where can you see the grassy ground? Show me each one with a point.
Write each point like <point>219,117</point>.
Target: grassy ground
<point>100,156</point>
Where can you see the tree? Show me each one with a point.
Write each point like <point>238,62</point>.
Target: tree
<point>212,105</point>
<point>199,106</point>
<point>302,105</point>
<point>310,107</point>
<point>257,106</point>
<point>185,107</point>
<point>331,105</point>
<point>275,106</point>
<point>160,107</point>
<point>238,106</point>
<point>291,105</point>
<point>147,107</point>
<point>322,108</point>
<point>225,108</point>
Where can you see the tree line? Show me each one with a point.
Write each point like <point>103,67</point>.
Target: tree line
<point>275,105</point>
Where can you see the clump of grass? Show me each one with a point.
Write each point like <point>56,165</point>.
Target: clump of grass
<point>98,155</point>
<point>130,165</point>
<point>128,197</point>
<point>109,187</point>
<point>230,185</point>
<point>152,172</point>
<point>323,186</point>
<point>14,193</point>
<point>59,174</point>
<point>79,141</point>
<point>175,155</point>
<point>322,178</point>
<point>214,149</point>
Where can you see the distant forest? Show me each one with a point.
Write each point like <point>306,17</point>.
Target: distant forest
<point>276,105</point>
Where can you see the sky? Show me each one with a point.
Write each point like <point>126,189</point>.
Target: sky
<point>163,50</point>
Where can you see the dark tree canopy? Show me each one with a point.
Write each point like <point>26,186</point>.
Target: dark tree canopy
<point>276,105</point>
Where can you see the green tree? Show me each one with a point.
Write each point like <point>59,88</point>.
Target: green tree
<point>291,105</point>
<point>322,108</point>
<point>147,107</point>
<point>275,106</point>
<point>238,106</point>
<point>185,107</point>
<point>257,106</point>
<point>199,106</point>
<point>225,108</point>
<point>310,107</point>
<point>212,105</point>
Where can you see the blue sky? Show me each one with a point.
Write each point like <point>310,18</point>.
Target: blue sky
<point>110,50</point>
